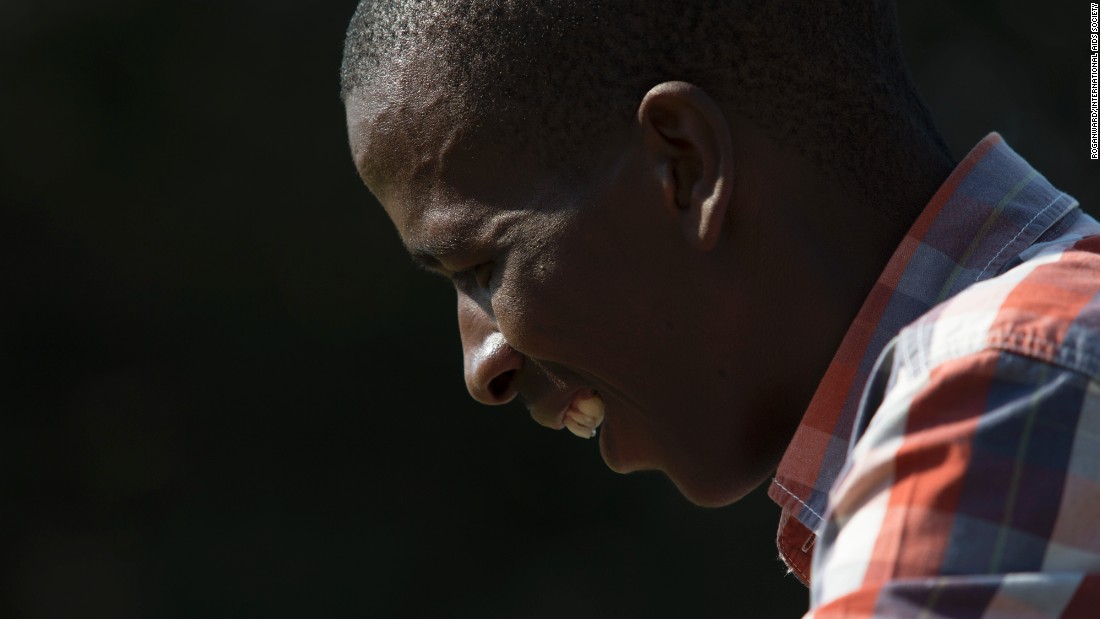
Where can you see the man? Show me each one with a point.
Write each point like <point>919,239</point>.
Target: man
<point>692,228</point>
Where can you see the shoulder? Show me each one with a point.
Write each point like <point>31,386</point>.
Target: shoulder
<point>1035,325</point>
<point>978,467</point>
<point>1046,308</point>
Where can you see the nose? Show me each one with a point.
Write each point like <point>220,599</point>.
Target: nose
<point>490,363</point>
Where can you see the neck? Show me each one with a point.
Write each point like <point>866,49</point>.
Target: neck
<point>832,238</point>
<point>855,227</point>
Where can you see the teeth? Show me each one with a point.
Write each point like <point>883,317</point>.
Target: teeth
<point>578,428</point>
<point>592,408</point>
<point>583,419</point>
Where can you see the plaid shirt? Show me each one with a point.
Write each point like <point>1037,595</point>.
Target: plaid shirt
<point>950,458</point>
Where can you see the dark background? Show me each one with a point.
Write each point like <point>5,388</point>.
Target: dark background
<point>226,392</point>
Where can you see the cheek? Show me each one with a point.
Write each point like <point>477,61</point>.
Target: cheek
<point>583,303</point>
<point>536,312</point>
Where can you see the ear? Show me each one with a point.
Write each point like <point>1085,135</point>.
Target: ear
<point>687,133</point>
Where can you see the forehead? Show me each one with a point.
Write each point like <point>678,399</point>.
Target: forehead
<point>401,129</point>
<point>401,140</point>
<point>410,129</point>
<point>438,184</point>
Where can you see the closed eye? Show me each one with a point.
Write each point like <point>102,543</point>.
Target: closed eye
<point>484,274</point>
<point>481,275</point>
<point>429,263</point>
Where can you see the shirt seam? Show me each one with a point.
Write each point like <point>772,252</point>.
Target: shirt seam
<point>795,496</point>
<point>1025,345</point>
<point>1021,231</point>
<point>792,565</point>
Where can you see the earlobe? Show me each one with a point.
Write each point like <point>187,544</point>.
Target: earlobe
<point>691,140</point>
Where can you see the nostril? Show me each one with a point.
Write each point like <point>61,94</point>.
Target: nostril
<point>499,386</point>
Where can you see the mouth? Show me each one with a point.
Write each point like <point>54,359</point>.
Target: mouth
<point>583,414</point>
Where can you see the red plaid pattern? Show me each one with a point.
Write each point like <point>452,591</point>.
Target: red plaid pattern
<point>959,475</point>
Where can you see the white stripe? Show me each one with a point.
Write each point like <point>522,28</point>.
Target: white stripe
<point>858,504</point>
<point>1033,595</point>
<point>961,326</point>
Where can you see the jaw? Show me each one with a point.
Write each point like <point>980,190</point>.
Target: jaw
<point>720,480</point>
<point>711,472</point>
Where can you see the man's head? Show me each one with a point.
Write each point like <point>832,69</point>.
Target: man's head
<point>631,199</point>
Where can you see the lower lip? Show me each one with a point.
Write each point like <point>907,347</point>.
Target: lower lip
<point>621,454</point>
<point>608,450</point>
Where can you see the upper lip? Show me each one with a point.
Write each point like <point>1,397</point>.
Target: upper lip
<point>549,391</point>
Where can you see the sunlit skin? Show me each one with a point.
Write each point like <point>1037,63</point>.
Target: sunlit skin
<point>697,277</point>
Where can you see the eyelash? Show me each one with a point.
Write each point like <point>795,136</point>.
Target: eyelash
<point>481,274</point>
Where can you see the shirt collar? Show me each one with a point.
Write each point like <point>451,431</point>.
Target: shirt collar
<point>991,207</point>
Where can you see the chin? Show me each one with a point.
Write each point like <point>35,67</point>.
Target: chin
<point>713,484</point>
<point>710,495</point>
<point>702,490</point>
<point>699,483</point>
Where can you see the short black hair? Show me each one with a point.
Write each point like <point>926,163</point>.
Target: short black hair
<point>825,77</point>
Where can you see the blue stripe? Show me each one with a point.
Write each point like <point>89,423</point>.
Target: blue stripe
<point>1017,470</point>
